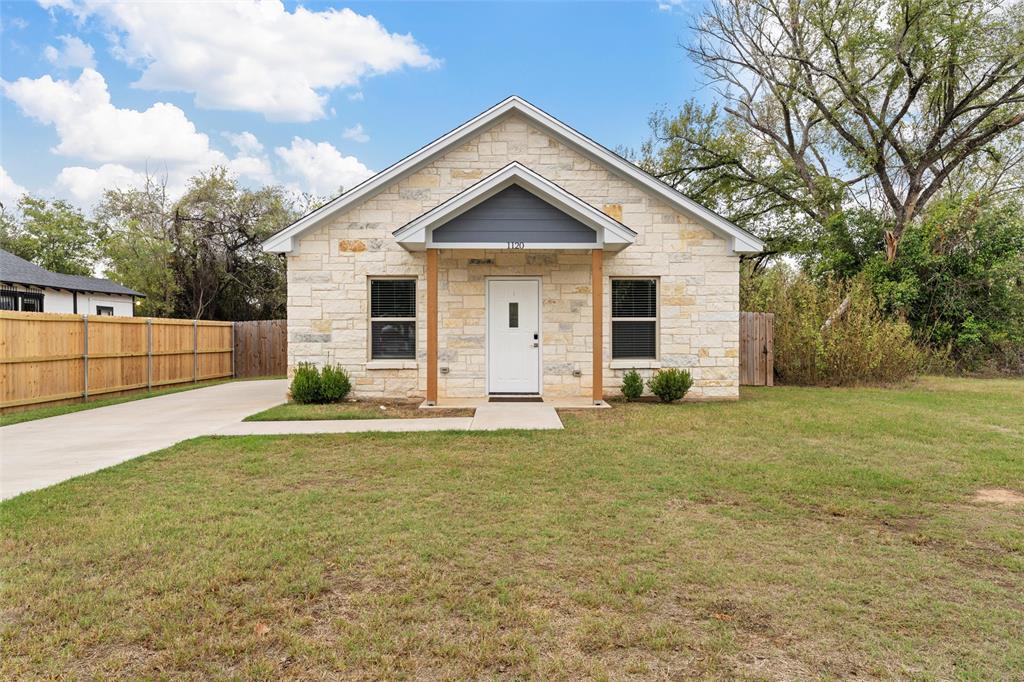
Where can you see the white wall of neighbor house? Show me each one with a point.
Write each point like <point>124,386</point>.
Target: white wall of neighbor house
<point>61,301</point>
<point>697,272</point>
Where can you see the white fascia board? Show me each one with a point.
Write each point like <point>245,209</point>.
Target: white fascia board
<point>741,240</point>
<point>415,235</point>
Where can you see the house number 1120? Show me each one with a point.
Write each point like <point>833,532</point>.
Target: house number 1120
<point>516,245</point>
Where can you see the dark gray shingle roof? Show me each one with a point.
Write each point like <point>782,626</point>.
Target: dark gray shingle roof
<point>14,270</point>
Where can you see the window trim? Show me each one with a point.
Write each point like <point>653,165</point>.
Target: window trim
<point>656,319</point>
<point>105,307</point>
<point>389,363</point>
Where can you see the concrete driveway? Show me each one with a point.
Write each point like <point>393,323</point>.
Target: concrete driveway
<point>40,453</point>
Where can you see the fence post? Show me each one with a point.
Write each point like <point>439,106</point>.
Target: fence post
<point>149,353</point>
<point>233,349</point>
<point>85,357</point>
<point>195,350</point>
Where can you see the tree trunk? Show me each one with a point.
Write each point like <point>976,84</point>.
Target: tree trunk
<point>892,240</point>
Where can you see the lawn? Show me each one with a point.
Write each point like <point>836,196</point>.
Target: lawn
<point>799,533</point>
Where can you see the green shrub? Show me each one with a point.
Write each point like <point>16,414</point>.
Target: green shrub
<point>860,345</point>
<point>632,385</point>
<point>334,383</point>
<point>670,384</point>
<point>306,384</point>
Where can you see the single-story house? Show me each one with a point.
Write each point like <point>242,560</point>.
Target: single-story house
<point>514,255</point>
<point>27,287</point>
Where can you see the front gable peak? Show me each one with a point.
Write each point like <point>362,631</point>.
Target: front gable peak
<point>740,240</point>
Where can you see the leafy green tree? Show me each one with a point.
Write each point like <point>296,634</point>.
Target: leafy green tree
<point>200,256</point>
<point>959,282</point>
<point>52,234</point>
<point>137,245</point>
<point>830,104</point>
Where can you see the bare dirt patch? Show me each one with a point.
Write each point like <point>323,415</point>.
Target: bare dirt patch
<point>998,496</point>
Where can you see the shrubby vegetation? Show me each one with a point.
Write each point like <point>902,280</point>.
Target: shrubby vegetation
<point>311,385</point>
<point>632,385</point>
<point>670,384</point>
<point>832,332</point>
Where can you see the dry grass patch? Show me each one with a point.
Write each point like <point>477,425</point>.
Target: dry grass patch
<point>999,496</point>
<point>799,533</point>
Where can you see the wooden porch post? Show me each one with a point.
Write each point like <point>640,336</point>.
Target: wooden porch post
<point>432,326</point>
<point>597,287</point>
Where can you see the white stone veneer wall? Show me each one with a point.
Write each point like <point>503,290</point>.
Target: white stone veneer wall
<point>328,309</point>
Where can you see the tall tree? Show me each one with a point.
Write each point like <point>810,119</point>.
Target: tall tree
<point>137,244</point>
<point>199,257</point>
<point>52,234</point>
<point>827,104</point>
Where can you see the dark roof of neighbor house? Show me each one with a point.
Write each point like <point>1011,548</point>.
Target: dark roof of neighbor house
<point>14,270</point>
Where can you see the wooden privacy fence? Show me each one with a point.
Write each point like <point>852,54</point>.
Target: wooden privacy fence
<point>47,357</point>
<point>261,348</point>
<point>757,349</point>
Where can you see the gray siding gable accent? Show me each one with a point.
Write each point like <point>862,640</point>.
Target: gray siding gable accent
<point>514,215</point>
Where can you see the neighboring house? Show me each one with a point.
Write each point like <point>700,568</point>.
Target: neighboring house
<point>27,287</point>
<point>513,255</point>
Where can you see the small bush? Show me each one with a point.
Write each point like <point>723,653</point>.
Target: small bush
<point>670,384</point>
<point>307,387</point>
<point>632,385</point>
<point>334,383</point>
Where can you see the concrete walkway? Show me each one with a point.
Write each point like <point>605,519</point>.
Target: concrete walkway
<point>40,453</point>
<point>43,452</point>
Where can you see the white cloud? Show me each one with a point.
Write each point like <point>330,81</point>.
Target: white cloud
<point>356,133</point>
<point>74,54</point>
<point>253,167</point>
<point>669,5</point>
<point>251,56</point>
<point>16,23</point>
<point>126,143</point>
<point>85,185</point>
<point>245,142</point>
<point>322,169</point>
<point>10,191</point>
<point>356,96</point>
<point>91,127</point>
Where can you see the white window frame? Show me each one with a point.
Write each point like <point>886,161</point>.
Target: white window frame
<point>636,362</point>
<point>387,363</point>
<point>105,307</point>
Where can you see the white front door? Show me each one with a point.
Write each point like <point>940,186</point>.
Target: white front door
<point>513,336</point>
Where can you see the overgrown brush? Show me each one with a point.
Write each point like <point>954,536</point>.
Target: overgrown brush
<point>832,333</point>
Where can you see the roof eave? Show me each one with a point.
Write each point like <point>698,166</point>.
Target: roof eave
<point>741,240</point>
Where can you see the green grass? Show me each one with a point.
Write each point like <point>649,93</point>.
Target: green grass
<point>352,410</point>
<point>799,533</point>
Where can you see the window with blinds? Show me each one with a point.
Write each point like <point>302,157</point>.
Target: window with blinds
<point>393,319</point>
<point>634,319</point>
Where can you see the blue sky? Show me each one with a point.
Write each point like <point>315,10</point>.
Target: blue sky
<point>312,96</point>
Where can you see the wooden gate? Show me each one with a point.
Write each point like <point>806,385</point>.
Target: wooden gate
<point>261,348</point>
<point>757,349</point>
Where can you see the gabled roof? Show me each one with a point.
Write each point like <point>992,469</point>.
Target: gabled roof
<point>610,233</point>
<point>741,240</point>
<point>14,270</point>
